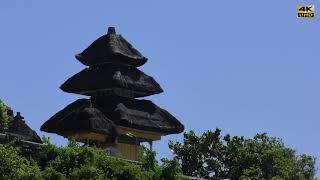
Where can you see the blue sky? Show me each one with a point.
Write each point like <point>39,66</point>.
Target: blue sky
<point>243,66</point>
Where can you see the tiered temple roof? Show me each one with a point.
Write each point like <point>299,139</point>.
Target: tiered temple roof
<point>79,116</point>
<point>111,48</point>
<point>113,82</point>
<point>122,80</point>
<point>137,114</point>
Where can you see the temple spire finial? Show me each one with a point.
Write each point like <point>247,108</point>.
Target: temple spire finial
<point>111,30</point>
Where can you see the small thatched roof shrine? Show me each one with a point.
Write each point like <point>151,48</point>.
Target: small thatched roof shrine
<point>17,127</point>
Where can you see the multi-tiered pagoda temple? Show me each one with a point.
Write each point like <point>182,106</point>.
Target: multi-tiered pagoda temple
<point>112,117</point>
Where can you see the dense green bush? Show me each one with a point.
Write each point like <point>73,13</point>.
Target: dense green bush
<point>13,166</point>
<point>206,156</point>
<point>78,162</point>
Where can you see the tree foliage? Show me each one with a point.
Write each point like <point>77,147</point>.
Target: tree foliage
<point>215,157</point>
<point>13,166</point>
<point>169,169</point>
<point>78,162</point>
<point>4,119</point>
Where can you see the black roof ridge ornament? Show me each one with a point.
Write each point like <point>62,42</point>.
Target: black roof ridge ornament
<point>19,116</point>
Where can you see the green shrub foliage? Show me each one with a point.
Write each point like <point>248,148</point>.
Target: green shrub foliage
<point>13,166</point>
<point>215,157</point>
<point>210,156</point>
<point>77,162</point>
<point>4,119</point>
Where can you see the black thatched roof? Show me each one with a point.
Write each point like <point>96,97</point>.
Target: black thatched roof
<point>138,114</point>
<point>111,48</point>
<point>78,117</point>
<point>122,80</point>
<point>17,126</point>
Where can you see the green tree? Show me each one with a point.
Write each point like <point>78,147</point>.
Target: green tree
<point>4,119</point>
<point>170,169</point>
<point>84,162</point>
<point>215,157</point>
<point>13,166</point>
